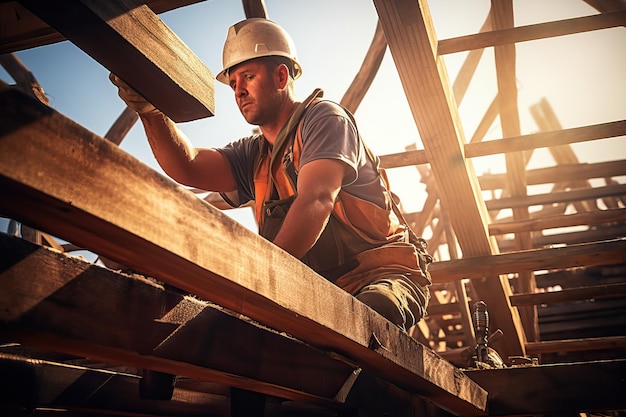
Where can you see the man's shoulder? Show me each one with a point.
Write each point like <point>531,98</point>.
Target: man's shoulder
<point>323,109</point>
<point>248,145</point>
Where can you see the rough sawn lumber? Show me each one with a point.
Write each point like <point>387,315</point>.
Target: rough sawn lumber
<point>130,40</point>
<point>122,319</point>
<point>63,179</point>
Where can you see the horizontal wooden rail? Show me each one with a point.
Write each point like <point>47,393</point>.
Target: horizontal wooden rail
<point>551,175</point>
<point>403,159</point>
<point>591,218</point>
<point>570,294</point>
<point>557,197</point>
<point>576,345</point>
<point>589,254</point>
<point>546,139</point>
<point>531,32</point>
<point>516,144</point>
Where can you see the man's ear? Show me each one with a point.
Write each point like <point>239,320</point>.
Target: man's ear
<point>282,73</point>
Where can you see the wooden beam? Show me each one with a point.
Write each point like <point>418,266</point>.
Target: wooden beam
<point>550,175</point>
<point>532,390</point>
<point>546,139</point>
<point>115,318</point>
<point>254,8</point>
<point>403,159</point>
<point>557,197</point>
<point>410,34</point>
<point>123,210</point>
<point>369,68</point>
<point>116,33</point>
<point>532,32</point>
<point>591,218</point>
<point>517,143</point>
<point>579,255</point>
<point>571,294</point>
<point>577,345</point>
<point>21,29</point>
<point>26,383</point>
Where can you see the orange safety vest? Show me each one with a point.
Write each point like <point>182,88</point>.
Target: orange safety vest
<point>355,225</point>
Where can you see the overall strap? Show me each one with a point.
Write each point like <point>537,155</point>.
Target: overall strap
<point>286,132</point>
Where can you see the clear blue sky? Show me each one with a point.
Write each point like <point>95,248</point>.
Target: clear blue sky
<point>580,75</point>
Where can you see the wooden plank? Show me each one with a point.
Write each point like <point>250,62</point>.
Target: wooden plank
<point>604,6</point>
<point>76,390</point>
<point>403,159</point>
<point>23,30</point>
<point>570,238</point>
<point>410,34</point>
<point>123,210</point>
<point>571,294</point>
<point>555,389</point>
<point>550,175</point>
<point>588,218</point>
<point>115,33</point>
<point>577,345</point>
<point>518,143</point>
<point>557,197</point>
<point>546,139</point>
<point>118,317</point>
<point>254,8</point>
<point>505,60</point>
<point>579,255</point>
<point>37,383</point>
<point>532,32</point>
<point>369,68</point>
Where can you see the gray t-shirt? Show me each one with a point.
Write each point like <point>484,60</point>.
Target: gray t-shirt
<point>327,133</point>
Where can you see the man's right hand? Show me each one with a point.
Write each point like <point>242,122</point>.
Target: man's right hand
<point>132,99</point>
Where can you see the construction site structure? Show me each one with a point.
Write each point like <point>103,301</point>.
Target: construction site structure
<point>203,317</point>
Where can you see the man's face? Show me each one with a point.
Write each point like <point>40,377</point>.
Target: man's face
<point>255,90</point>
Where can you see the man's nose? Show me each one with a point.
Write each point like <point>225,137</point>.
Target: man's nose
<point>240,90</point>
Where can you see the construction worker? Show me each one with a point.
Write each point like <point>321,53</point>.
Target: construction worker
<point>318,191</point>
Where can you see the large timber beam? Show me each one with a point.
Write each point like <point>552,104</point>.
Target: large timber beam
<point>129,39</point>
<point>61,178</point>
<point>555,389</point>
<point>115,318</point>
<point>410,33</point>
<point>21,29</point>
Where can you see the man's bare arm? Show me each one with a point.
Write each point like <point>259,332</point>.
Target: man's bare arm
<point>206,169</point>
<point>319,183</point>
<point>202,168</point>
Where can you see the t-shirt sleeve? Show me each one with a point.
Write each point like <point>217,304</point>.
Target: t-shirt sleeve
<point>328,133</point>
<point>241,155</point>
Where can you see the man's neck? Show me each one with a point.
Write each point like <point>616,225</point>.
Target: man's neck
<point>271,130</point>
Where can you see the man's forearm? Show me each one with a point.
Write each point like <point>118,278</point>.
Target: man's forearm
<point>169,144</point>
<point>303,225</point>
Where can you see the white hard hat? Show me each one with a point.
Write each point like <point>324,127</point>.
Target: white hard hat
<point>255,38</point>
